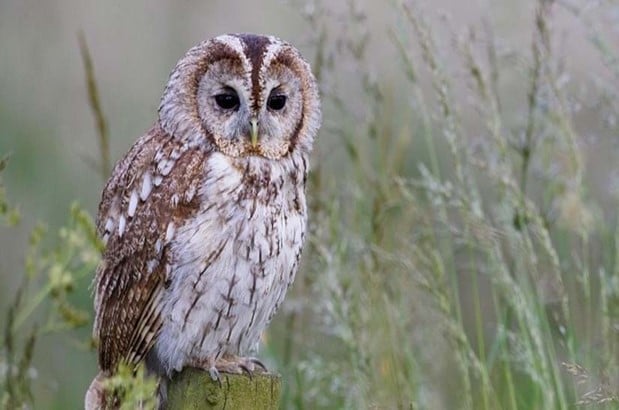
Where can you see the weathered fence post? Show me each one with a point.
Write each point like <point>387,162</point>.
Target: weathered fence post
<point>194,389</point>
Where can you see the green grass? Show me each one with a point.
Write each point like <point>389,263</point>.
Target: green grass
<point>464,246</point>
<point>461,260</point>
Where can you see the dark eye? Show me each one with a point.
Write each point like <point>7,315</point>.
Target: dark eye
<point>276,102</point>
<point>227,100</point>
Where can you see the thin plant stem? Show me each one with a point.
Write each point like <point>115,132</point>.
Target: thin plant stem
<point>96,108</point>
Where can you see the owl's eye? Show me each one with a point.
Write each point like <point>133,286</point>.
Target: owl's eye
<point>276,102</point>
<point>227,100</point>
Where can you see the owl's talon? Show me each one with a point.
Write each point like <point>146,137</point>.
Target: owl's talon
<point>247,371</point>
<point>259,363</point>
<point>240,365</point>
<point>215,376</point>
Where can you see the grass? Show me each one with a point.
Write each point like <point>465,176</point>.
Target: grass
<point>463,248</point>
<point>43,303</point>
<point>462,261</point>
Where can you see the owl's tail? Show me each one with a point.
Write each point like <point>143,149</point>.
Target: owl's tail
<point>95,395</point>
<point>97,399</point>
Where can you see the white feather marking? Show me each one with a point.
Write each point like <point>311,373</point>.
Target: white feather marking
<point>109,225</point>
<point>158,245</point>
<point>231,41</point>
<point>157,180</point>
<point>191,192</point>
<point>147,186</point>
<point>165,166</point>
<point>133,203</point>
<point>169,233</point>
<point>270,52</point>
<point>121,225</point>
<point>151,265</point>
<point>105,238</point>
<point>176,154</point>
<point>175,200</point>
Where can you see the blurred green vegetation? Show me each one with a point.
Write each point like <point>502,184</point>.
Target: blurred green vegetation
<point>464,240</point>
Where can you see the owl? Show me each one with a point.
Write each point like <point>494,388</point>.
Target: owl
<point>204,219</point>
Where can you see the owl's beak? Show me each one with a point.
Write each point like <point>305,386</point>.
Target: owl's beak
<point>254,132</point>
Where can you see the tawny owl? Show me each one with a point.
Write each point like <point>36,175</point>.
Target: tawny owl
<point>204,218</point>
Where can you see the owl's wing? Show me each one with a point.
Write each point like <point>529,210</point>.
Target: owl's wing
<point>151,192</point>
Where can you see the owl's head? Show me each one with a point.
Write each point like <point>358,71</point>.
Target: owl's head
<point>245,94</point>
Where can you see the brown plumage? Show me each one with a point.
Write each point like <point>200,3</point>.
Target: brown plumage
<point>129,313</point>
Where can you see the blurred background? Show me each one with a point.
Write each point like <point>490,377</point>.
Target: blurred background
<point>460,139</point>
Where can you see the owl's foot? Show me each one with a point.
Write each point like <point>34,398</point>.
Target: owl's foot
<point>231,364</point>
<point>215,376</point>
<point>238,365</point>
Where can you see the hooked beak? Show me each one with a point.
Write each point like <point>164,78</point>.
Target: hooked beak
<point>254,132</point>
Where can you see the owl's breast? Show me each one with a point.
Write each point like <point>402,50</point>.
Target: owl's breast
<point>233,261</point>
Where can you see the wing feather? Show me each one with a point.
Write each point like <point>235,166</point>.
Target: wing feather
<point>131,279</point>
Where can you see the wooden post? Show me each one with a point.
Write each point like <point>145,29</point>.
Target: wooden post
<point>194,389</point>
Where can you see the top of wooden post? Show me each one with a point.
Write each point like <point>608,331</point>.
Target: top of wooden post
<point>194,389</point>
